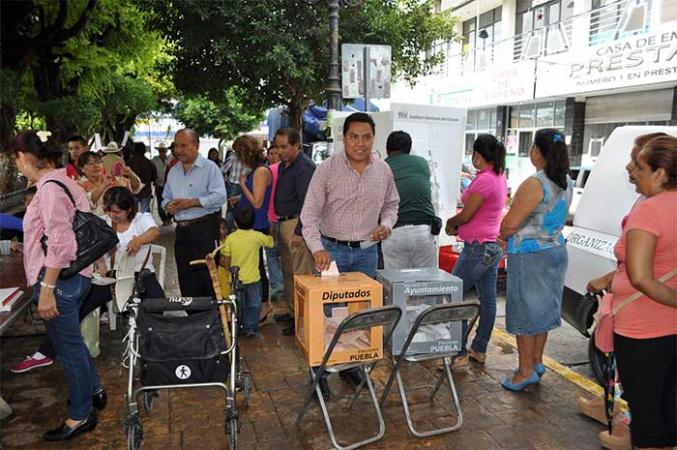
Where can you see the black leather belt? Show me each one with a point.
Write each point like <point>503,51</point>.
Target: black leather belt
<point>351,244</point>
<point>187,223</point>
<point>285,218</point>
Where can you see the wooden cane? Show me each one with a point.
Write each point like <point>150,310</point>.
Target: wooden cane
<point>210,262</point>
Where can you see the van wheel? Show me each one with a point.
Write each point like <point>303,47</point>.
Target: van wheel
<point>597,360</point>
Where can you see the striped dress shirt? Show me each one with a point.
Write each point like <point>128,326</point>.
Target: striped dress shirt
<point>348,206</point>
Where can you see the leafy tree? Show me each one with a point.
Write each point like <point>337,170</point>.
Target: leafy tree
<point>277,51</point>
<point>224,118</point>
<point>77,56</point>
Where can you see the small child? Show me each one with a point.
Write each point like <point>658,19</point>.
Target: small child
<point>242,249</point>
<point>224,275</point>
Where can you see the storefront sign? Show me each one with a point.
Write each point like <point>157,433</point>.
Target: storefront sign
<point>644,59</point>
<point>497,85</point>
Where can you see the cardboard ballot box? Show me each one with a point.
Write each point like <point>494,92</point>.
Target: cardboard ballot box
<point>321,304</point>
<point>415,290</point>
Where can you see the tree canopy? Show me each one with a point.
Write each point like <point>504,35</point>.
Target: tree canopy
<point>277,51</point>
<point>223,117</point>
<point>82,64</point>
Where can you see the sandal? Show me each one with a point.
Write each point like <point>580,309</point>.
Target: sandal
<point>263,318</point>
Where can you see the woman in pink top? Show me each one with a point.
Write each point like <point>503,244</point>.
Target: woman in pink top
<point>619,437</point>
<point>50,215</point>
<point>645,331</point>
<point>273,254</point>
<point>478,225</point>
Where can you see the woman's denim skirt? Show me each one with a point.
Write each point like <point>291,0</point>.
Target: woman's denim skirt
<point>534,291</point>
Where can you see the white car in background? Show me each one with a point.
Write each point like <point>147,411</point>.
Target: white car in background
<point>607,198</point>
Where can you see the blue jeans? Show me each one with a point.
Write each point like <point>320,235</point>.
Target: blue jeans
<point>251,306</point>
<point>477,266</point>
<point>273,262</point>
<point>350,259</point>
<point>144,204</point>
<point>232,189</point>
<point>64,333</point>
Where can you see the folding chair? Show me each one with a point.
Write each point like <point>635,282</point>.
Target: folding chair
<point>386,316</point>
<point>434,315</point>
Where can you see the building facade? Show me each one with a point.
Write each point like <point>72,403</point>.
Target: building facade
<point>581,66</point>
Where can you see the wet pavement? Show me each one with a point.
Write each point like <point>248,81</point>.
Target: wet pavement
<point>543,417</point>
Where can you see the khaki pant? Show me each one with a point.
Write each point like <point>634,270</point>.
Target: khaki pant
<point>295,261</point>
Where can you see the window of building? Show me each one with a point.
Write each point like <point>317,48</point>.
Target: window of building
<point>469,141</point>
<point>614,19</point>
<point>525,143</point>
<point>514,117</point>
<point>545,114</point>
<point>526,116</point>
<point>469,35</point>
<point>471,121</point>
<point>560,113</point>
<point>481,121</point>
<point>542,29</point>
<point>481,41</point>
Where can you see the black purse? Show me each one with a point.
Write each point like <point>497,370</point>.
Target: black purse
<point>92,234</point>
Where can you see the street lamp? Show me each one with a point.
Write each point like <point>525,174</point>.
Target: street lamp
<point>334,80</point>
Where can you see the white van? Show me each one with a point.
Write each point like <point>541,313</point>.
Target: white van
<point>607,198</point>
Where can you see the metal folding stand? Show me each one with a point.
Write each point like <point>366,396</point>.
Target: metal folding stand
<point>387,317</point>
<point>434,315</point>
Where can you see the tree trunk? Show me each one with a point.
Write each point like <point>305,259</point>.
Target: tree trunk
<point>48,86</point>
<point>8,171</point>
<point>297,105</point>
<point>7,124</point>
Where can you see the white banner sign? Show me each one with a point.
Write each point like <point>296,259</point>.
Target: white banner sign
<point>638,60</point>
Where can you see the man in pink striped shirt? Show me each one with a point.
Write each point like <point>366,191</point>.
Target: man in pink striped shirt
<point>351,204</point>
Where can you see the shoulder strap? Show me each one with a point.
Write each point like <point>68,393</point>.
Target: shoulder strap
<point>145,261</point>
<point>638,294</point>
<point>68,193</point>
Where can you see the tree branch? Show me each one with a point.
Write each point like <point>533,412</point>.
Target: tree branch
<point>60,19</point>
<point>65,34</point>
<point>41,16</point>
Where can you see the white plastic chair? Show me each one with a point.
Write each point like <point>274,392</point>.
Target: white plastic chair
<point>159,255</point>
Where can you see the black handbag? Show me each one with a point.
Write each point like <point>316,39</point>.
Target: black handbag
<point>92,234</point>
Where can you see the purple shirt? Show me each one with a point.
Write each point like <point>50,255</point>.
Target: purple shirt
<point>485,224</point>
<point>51,213</point>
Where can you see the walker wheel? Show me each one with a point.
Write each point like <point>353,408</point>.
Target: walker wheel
<point>148,397</point>
<point>134,432</point>
<point>247,384</point>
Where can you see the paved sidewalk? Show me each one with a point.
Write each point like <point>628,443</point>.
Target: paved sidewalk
<point>544,417</point>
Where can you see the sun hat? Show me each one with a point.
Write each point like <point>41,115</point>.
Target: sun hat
<point>162,144</point>
<point>112,147</point>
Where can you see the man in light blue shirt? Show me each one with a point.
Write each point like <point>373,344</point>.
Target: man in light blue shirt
<point>194,194</point>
